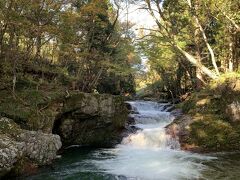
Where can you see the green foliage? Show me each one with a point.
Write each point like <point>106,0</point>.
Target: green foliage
<point>215,134</point>
<point>76,42</point>
<point>212,129</point>
<point>186,38</point>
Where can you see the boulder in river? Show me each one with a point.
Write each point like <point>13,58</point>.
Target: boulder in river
<point>19,148</point>
<point>26,139</point>
<point>91,120</point>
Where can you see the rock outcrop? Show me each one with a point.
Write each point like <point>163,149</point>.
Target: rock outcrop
<point>91,120</point>
<point>233,111</point>
<point>17,144</point>
<point>26,128</point>
<point>180,129</point>
<point>212,118</point>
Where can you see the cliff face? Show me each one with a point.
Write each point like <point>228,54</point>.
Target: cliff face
<point>26,126</point>
<point>212,118</point>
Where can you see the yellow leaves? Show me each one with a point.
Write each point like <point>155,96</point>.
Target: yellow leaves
<point>131,57</point>
<point>203,102</point>
<point>95,8</point>
<point>201,133</point>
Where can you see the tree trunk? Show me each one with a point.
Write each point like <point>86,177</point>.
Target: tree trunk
<point>2,34</point>
<point>172,41</point>
<point>14,76</point>
<point>213,59</point>
<point>38,46</point>
<point>236,50</point>
<point>208,45</point>
<point>10,55</point>
<point>199,76</point>
<point>230,60</point>
<point>195,62</point>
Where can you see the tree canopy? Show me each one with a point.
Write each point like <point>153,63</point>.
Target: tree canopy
<point>193,41</point>
<point>82,42</point>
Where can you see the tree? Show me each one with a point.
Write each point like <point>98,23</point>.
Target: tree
<point>169,31</point>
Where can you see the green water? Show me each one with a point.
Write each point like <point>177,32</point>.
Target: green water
<point>74,164</point>
<point>225,167</point>
<point>148,154</point>
<point>78,163</point>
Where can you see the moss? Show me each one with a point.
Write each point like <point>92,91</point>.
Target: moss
<point>32,109</point>
<point>211,129</point>
<point>187,105</point>
<point>7,126</point>
<point>214,134</point>
<point>224,79</point>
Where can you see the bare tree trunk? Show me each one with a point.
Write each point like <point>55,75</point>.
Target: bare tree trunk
<point>208,46</point>
<point>3,31</point>
<point>14,76</point>
<point>237,27</point>
<point>199,75</point>
<point>236,50</point>
<point>163,30</point>
<point>230,60</point>
<point>5,26</point>
<point>204,38</point>
<point>38,46</point>
<point>96,79</point>
<point>10,55</point>
<point>195,62</point>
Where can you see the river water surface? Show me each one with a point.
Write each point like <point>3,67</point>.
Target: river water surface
<point>148,154</point>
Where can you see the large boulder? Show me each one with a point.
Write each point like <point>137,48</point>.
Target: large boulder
<point>79,118</point>
<point>26,138</point>
<point>180,129</point>
<point>17,144</point>
<point>91,120</point>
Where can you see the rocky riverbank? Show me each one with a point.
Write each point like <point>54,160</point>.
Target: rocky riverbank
<point>32,131</point>
<point>21,148</point>
<point>211,120</point>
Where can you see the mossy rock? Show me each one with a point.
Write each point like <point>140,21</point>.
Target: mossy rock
<point>212,129</point>
<point>215,134</point>
<point>31,109</point>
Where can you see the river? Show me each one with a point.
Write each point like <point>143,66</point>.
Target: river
<point>148,154</point>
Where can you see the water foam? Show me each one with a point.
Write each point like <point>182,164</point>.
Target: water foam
<point>150,153</point>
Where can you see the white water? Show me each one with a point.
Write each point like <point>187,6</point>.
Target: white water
<point>151,154</point>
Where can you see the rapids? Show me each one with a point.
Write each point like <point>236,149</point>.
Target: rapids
<point>148,154</point>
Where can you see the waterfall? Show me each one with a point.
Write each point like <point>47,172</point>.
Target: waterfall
<point>150,154</point>
<point>151,119</point>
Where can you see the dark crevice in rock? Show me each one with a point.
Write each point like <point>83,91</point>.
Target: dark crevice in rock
<point>81,119</point>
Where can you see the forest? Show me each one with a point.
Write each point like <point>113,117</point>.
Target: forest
<point>83,45</point>
<point>139,88</point>
<point>80,45</point>
<point>192,43</point>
